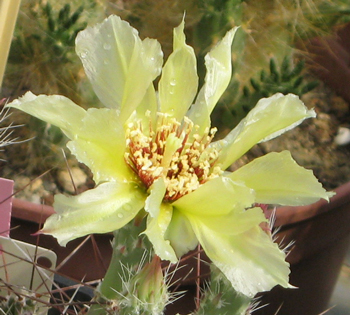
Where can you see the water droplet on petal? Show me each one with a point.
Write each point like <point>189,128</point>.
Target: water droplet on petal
<point>127,207</point>
<point>106,62</point>
<point>120,215</point>
<point>173,82</point>
<point>107,46</point>
<point>83,54</point>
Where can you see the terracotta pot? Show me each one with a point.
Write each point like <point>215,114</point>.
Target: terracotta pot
<point>321,235</point>
<point>89,257</point>
<point>320,232</point>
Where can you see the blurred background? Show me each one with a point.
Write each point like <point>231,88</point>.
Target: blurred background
<point>291,46</point>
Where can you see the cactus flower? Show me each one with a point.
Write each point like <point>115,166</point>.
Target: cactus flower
<point>154,152</point>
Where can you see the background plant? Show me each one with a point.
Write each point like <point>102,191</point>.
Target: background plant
<point>43,58</point>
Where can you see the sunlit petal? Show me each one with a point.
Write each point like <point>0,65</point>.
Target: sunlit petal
<point>155,198</point>
<point>146,112</point>
<point>54,109</point>
<point>159,218</point>
<point>119,65</point>
<point>277,179</point>
<point>269,118</point>
<point>180,234</point>
<point>250,260</point>
<point>179,81</point>
<point>219,69</point>
<point>103,209</point>
<point>216,197</point>
<point>239,220</point>
<point>100,144</point>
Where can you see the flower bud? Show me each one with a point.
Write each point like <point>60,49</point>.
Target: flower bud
<point>149,289</point>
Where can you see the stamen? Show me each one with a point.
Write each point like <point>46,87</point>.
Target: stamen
<point>174,152</point>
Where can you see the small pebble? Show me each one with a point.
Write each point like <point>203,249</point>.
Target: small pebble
<point>65,180</point>
<point>343,136</point>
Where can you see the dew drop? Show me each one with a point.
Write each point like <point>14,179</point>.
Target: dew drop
<point>167,253</point>
<point>83,54</point>
<point>127,207</point>
<point>120,215</point>
<point>173,82</point>
<point>106,62</point>
<point>138,196</point>
<point>107,46</point>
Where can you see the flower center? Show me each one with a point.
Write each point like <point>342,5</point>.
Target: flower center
<point>174,152</point>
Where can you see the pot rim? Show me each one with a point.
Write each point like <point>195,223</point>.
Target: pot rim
<point>284,215</point>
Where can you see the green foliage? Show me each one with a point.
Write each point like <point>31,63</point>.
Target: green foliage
<point>43,60</point>
<point>54,34</point>
<point>283,79</point>
<point>62,28</point>
<point>217,17</point>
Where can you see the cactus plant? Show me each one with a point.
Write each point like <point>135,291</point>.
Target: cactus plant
<point>220,298</point>
<point>18,305</point>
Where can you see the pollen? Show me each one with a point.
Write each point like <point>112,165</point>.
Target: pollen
<point>173,151</point>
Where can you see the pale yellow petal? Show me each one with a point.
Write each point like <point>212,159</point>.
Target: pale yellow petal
<point>277,179</point>
<point>250,260</point>
<point>269,118</point>
<point>180,234</point>
<point>219,70</point>
<point>146,112</point>
<point>158,221</point>
<point>99,143</point>
<point>237,221</point>
<point>216,197</point>
<point>54,109</point>
<point>179,81</point>
<point>119,65</point>
<point>103,209</point>
<point>155,198</point>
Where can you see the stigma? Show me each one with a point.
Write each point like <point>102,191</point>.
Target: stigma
<point>173,151</point>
